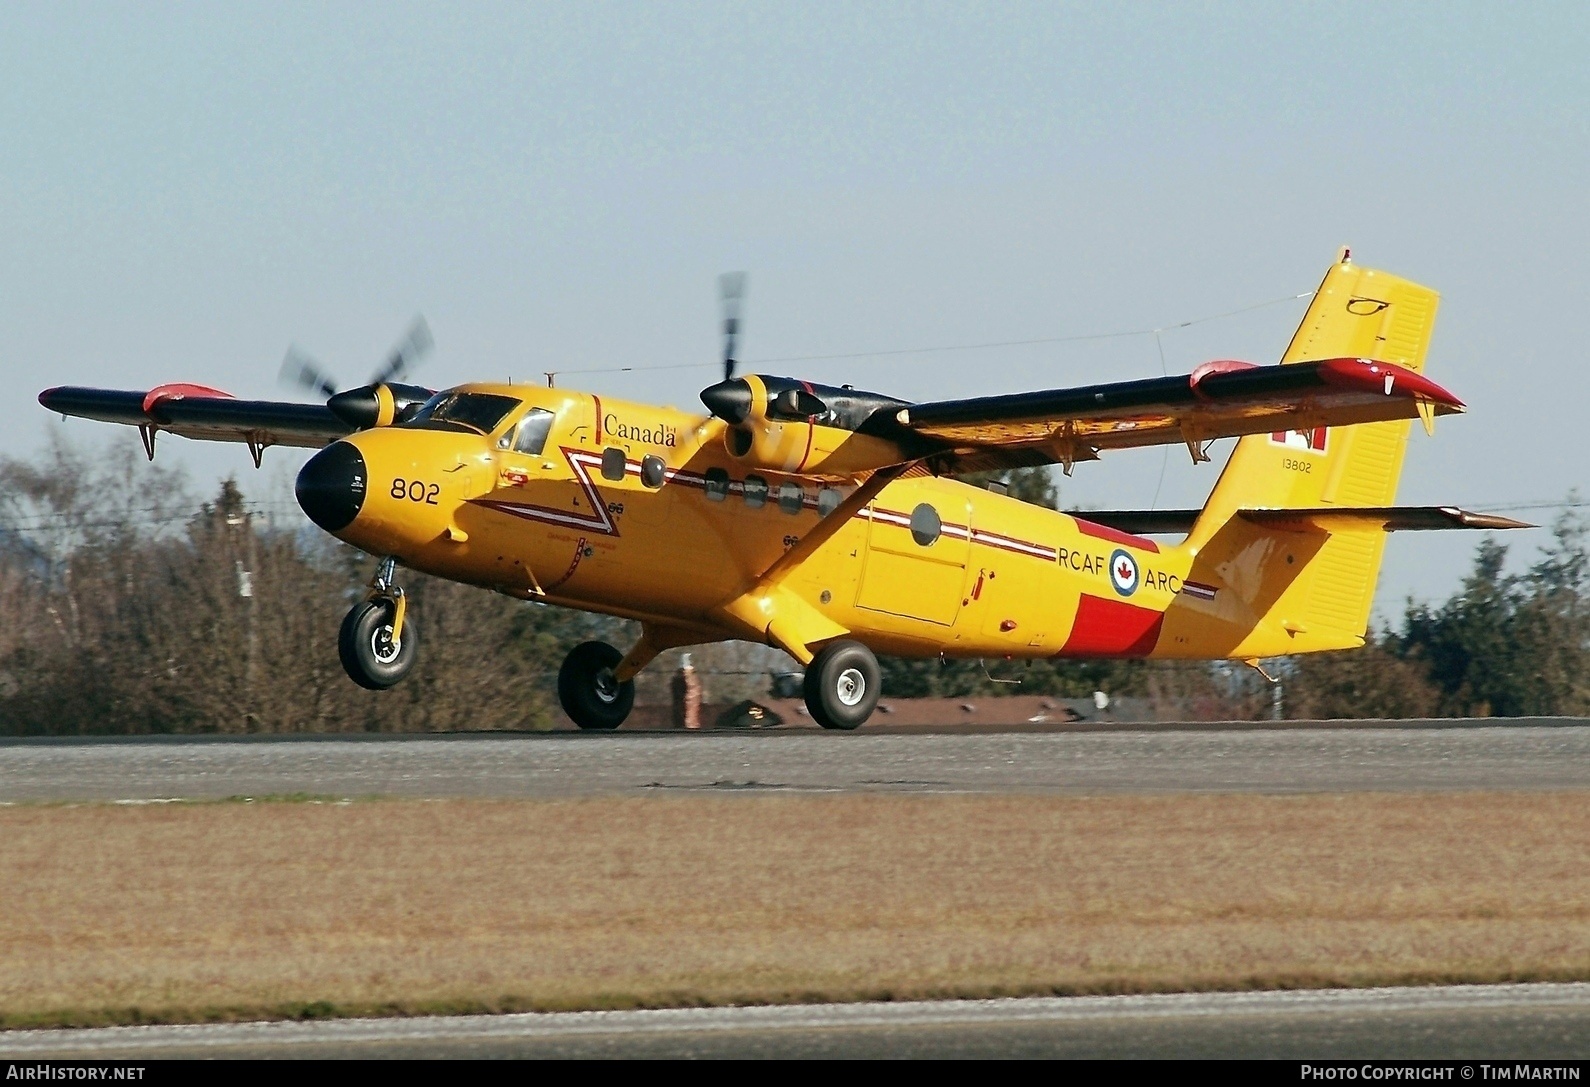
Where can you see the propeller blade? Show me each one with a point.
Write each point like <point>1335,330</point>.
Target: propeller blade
<point>302,370</point>
<point>731,292</point>
<point>413,347</point>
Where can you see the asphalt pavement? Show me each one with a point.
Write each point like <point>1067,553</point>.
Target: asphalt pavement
<point>1541,755</point>
<point>1457,1023</point>
<point>1472,1023</point>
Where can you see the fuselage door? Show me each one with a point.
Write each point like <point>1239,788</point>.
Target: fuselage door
<point>522,451</point>
<point>916,562</point>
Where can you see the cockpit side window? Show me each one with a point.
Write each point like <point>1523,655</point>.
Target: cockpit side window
<point>533,430</point>
<point>615,464</point>
<point>479,412</point>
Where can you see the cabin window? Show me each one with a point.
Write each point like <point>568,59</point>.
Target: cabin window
<point>653,471</point>
<point>755,490</point>
<point>925,525</point>
<point>828,500</point>
<point>614,463</point>
<point>533,431</point>
<point>791,498</point>
<point>717,484</point>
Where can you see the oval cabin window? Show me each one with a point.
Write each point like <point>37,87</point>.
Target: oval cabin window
<point>653,471</point>
<point>791,498</point>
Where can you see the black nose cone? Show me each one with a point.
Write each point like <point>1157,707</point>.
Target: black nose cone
<point>331,486</point>
<point>729,400</point>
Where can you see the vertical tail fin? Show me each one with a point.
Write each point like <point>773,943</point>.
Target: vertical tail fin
<point>1306,591</point>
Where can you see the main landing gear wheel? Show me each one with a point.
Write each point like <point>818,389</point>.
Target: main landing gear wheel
<point>369,655</point>
<point>842,685</point>
<point>591,695</point>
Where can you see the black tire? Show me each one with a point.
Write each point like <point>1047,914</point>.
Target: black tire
<point>365,645</point>
<point>842,685</point>
<point>586,687</point>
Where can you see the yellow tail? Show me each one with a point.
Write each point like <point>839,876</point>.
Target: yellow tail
<point>1296,591</point>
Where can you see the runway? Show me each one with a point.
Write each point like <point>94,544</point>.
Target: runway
<point>1541,1021</point>
<point>1542,754</point>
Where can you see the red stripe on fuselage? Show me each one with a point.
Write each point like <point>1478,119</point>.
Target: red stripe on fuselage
<point>1115,535</point>
<point>1112,628</point>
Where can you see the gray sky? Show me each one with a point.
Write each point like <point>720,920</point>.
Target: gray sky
<point>186,189</point>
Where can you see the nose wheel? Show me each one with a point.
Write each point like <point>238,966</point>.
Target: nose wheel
<point>376,644</point>
<point>842,685</point>
<point>590,692</point>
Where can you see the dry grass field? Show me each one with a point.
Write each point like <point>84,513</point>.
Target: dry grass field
<point>214,910</point>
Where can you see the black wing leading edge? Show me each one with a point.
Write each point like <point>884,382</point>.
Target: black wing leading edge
<point>203,414</point>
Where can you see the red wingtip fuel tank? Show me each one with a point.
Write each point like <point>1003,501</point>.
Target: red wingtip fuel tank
<point>1386,378</point>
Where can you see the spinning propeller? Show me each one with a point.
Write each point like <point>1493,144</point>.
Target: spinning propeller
<point>733,399</point>
<point>731,293</point>
<point>377,403</point>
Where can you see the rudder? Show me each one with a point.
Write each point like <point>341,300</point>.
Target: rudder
<point>1321,598</point>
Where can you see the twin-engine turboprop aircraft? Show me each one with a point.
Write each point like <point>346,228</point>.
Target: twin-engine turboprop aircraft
<point>821,520</point>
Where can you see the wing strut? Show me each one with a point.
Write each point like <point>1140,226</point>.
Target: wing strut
<point>824,530</point>
<point>772,612</point>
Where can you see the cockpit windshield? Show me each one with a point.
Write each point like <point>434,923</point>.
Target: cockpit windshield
<point>479,412</point>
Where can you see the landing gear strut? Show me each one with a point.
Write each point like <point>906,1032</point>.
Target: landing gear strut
<point>591,694</point>
<point>842,685</point>
<point>377,646</point>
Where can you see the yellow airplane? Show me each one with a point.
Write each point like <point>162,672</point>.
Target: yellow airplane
<point>821,520</point>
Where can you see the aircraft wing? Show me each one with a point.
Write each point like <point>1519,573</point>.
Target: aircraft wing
<point>199,412</point>
<point>1217,400</point>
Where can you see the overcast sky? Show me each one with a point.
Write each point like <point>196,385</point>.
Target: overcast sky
<point>184,190</point>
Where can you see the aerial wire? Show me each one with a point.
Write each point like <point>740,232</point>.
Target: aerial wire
<point>1164,460</point>
<point>988,345</point>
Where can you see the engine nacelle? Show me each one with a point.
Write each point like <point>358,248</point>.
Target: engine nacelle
<point>378,405</point>
<point>784,425</point>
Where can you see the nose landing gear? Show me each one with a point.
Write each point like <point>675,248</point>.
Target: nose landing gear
<point>376,645</point>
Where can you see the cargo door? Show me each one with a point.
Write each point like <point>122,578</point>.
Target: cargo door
<point>916,562</point>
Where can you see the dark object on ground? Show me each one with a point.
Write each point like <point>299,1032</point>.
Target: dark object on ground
<point>788,684</point>
<point>748,714</point>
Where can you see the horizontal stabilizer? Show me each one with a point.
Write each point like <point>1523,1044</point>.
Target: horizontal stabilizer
<point>1386,518</point>
<point>1324,519</point>
<point>1142,522</point>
